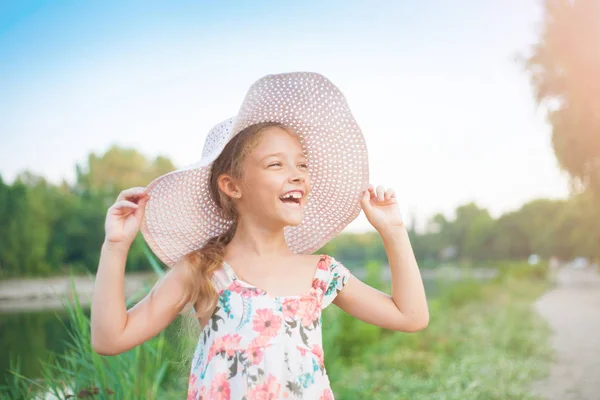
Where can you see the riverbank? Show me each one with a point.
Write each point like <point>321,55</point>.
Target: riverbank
<point>18,295</point>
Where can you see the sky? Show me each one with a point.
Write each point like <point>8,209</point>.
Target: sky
<point>447,112</point>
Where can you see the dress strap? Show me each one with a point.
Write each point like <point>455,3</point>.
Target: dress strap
<point>223,277</point>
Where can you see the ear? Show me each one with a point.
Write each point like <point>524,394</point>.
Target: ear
<point>228,186</point>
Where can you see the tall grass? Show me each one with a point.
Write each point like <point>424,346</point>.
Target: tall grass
<point>483,342</point>
<point>147,371</point>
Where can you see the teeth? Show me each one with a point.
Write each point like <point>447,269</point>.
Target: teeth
<point>294,195</point>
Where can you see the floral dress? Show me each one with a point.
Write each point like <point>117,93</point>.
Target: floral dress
<point>258,346</point>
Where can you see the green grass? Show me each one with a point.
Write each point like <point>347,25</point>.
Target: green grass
<point>483,342</point>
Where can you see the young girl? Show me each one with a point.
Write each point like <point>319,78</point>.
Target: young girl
<point>238,231</point>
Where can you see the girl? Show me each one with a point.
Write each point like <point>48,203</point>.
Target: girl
<point>238,229</point>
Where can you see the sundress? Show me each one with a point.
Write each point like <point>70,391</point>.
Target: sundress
<point>258,346</point>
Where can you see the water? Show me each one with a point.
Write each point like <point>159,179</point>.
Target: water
<point>31,336</point>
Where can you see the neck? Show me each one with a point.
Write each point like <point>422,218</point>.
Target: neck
<point>255,239</point>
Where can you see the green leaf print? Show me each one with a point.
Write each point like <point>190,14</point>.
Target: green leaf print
<point>214,320</point>
<point>233,367</point>
<point>303,336</point>
<point>292,324</point>
<point>294,387</point>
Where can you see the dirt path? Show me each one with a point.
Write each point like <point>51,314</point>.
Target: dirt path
<point>572,309</point>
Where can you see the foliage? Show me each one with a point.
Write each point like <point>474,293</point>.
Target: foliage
<point>50,230</point>
<point>564,67</point>
<point>143,372</point>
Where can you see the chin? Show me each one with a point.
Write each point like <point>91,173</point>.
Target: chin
<point>294,222</point>
<point>293,218</point>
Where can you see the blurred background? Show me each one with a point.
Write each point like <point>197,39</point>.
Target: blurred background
<point>483,116</point>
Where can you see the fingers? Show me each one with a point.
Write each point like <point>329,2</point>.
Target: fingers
<point>124,205</point>
<point>380,193</point>
<point>366,199</point>
<point>389,194</point>
<point>132,193</point>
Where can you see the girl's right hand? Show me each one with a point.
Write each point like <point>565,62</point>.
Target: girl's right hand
<point>124,218</point>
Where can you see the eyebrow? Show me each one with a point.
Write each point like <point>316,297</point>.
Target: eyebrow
<point>280,154</point>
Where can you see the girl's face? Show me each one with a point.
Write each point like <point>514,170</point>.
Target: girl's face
<point>275,183</point>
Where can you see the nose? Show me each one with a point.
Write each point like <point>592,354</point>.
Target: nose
<point>297,178</point>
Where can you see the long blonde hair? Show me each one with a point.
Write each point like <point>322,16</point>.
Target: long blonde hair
<point>201,264</point>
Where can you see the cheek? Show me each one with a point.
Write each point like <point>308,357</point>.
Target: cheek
<point>263,187</point>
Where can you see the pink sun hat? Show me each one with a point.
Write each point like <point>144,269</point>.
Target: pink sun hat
<point>181,216</point>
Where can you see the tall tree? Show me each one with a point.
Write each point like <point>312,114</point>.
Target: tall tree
<point>564,68</point>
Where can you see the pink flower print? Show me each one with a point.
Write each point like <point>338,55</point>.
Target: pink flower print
<point>192,390</point>
<point>231,342</point>
<point>309,310</point>
<point>265,391</point>
<point>244,290</point>
<point>327,395</point>
<point>193,379</point>
<point>290,308</point>
<point>266,323</point>
<point>228,343</point>
<point>320,284</point>
<point>302,350</point>
<point>255,355</point>
<point>220,390</point>
<point>323,263</point>
<point>318,351</point>
<point>256,349</point>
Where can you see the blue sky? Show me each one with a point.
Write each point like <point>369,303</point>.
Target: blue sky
<point>447,113</point>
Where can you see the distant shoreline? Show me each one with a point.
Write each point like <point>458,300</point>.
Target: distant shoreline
<point>43,294</point>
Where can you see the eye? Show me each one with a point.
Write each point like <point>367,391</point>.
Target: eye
<point>303,166</point>
<point>278,164</point>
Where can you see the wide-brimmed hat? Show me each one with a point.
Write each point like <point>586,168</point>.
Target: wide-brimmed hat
<point>181,215</point>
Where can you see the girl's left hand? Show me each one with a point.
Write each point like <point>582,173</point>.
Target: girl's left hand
<point>381,208</point>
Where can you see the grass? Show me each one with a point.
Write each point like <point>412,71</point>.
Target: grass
<point>483,342</point>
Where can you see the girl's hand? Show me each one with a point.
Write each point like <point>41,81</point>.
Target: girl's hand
<point>381,208</point>
<point>124,218</point>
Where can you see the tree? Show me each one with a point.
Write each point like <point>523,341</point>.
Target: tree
<point>118,169</point>
<point>564,68</point>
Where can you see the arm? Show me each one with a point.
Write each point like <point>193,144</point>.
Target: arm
<point>114,329</point>
<point>406,309</point>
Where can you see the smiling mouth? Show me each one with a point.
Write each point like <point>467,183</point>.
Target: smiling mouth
<point>291,202</point>
<point>294,199</point>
